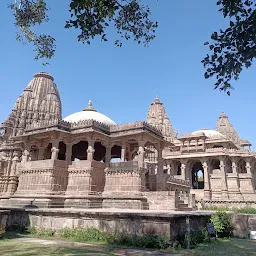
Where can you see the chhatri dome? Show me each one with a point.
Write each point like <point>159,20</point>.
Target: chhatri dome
<point>89,113</point>
<point>209,133</point>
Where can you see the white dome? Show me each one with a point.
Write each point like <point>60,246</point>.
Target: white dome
<point>89,113</point>
<point>209,133</point>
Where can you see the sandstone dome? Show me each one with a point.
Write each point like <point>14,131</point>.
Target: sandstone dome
<point>89,113</point>
<point>209,134</point>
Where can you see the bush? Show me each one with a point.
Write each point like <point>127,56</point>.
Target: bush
<point>248,210</point>
<point>41,232</point>
<point>134,240</point>
<point>196,237</point>
<point>222,223</point>
<point>2,232</point>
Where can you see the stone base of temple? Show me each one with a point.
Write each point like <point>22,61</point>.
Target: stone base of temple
<point>33,202</point>
<point>138,203</point>
<point>235,195</point>
<point>87,202</point>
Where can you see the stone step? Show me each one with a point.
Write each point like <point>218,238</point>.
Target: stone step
<point>185,209</point>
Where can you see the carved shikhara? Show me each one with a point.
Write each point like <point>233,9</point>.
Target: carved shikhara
<point>39,155</point>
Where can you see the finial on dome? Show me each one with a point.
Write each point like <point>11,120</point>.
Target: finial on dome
<point>89,107</point>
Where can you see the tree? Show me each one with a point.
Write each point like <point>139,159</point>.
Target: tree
<point>231,49</point>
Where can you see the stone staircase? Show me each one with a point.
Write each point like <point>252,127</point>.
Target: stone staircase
<point>184,206</point>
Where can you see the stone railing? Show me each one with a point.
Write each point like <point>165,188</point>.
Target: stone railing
<point>134,126</point>
<point>228,151</point>
<point>172,179</point>
<point>90,123</point>
<point>125,165</point>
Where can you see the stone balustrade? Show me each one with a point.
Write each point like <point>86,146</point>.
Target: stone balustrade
<point>172,179</point>
<point>136,125</point>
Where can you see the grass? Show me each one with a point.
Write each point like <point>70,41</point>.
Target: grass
<point>224,247</point>
<point>11,246</point>
<point>14,248</point>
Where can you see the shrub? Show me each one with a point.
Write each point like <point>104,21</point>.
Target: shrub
<point>222,224</point>
<point>41,232</point>
<point>2,232</point>
<point>134,240</point>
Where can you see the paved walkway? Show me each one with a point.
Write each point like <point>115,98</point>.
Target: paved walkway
<point>116,251</point>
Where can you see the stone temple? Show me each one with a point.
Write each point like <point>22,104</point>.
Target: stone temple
<point>86,160</point>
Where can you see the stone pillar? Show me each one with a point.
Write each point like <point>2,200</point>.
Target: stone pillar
<point>15,160</point>
<point>55,149</point>
<point>141,154</point>
<point>68,156</point>
<point>224,190</point>
<point>207,190</point>
<point>234,165</point>
<point>248,166</point>
<point>25,155</point>
<point>160,161</point>
<point>183,169</point>
<point>108,155</point>
<point>90,150</point>
<point>41,153</point>
<point>123,152</point>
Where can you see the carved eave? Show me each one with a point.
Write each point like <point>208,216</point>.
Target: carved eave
<point>184,137</point>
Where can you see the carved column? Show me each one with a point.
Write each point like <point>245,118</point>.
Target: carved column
<point>160,160</point>
<point>41,153</point>
<point>25,155</point>
<point>183,169</point>
<point>207,189</point>
<point>55,149</point>
<point>123,152</point>
<point>141,154</point>
<point>90,150</point>
<point>234,164</point>
<point>224,190</point>
<point>68,152</point>
<point>108,154</point>
<point>248,165</point>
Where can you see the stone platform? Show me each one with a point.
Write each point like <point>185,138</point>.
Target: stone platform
<point>164,223</point>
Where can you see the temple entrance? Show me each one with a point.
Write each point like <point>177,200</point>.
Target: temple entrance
<point>198,176</point>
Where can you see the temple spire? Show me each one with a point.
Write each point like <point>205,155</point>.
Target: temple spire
<point>158,118</point>
<point>226,128</point>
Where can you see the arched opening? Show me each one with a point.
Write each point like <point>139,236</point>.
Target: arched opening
<point>116,154</point>
<point>100,152</point>
<point>241,166</point>
<point>62,151</point>
<point>48,151</point>
<point>79,151</point>
<point>197,176</point>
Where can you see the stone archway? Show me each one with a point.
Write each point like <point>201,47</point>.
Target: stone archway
<point>197,175</point>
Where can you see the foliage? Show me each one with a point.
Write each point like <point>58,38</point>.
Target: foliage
<point>130,18</point>
<point>41,232</point>
<point>2,232</point>
<point>246,210</point>
<point>196,237</point>
<point>235,47</point>
<point>28,14</point>
<point>134,240</point>
<point>222,223</point>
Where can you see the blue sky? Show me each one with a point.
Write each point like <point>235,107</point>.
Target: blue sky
<point>122,82</point>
